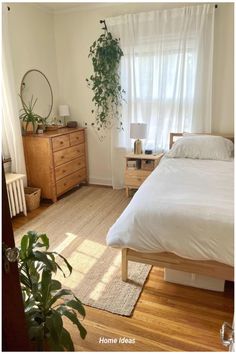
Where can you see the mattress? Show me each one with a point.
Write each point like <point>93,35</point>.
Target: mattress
<point>185,207</point>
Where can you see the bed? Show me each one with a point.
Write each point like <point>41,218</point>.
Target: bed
<point>181,217</point>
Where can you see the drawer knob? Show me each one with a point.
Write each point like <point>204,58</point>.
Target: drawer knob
<point>62,157</point>
<point>139,179</point>
<point>65,184</point>
<point>61,142</point>
<point>77,138</point>
<point>63,171</point>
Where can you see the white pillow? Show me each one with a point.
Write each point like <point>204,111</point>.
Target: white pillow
<point>208,147</point>
<point>228,142</point>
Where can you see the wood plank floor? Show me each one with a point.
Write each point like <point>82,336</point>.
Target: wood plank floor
<point>167,317</point>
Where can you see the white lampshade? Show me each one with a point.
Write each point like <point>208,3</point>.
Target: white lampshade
<point>64,110</point>
<point>138,130</point>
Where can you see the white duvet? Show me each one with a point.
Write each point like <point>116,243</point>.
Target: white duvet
<point>186,207</point>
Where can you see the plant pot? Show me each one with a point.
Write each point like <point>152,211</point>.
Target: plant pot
<point>29,128</point>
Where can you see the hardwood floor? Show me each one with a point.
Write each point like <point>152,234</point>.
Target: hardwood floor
<point>167,317</point>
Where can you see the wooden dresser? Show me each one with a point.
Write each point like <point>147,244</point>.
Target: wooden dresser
<point>56,160</point>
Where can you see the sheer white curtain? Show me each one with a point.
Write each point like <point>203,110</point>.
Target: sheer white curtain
<point>166,72</point>
<point>12,145</point>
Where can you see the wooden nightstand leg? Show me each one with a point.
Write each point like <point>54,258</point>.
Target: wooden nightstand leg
<point>127,191</point>
<point>124,265</point>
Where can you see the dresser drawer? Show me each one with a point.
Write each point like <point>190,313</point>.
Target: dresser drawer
<point>69,167</point>
<point>60,142</point>
<point>70,181</point>
<point>66,155</point>
<point>135,178</point>
<point>76,138</point>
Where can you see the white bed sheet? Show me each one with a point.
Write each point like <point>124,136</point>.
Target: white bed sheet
<point>186,207</point>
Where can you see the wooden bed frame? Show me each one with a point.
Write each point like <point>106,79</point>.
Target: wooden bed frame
<point>172,261</point>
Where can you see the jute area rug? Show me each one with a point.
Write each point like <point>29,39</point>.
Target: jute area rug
<point>77,226</point>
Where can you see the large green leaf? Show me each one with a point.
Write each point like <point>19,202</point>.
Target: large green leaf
<point>42,257</point>
<point>66,262</point>
<point>73,317</point>
<point>58,295</point>
<point>46,287</point>
<point>66,340</point>
<point>54,325</point>
<point>24,246</point>
<point>32,236</point>
<point>45,240</point>
<point>44,243</point>
<point>76,305</point>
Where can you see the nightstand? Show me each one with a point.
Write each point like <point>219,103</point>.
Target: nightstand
<point>138,168</point>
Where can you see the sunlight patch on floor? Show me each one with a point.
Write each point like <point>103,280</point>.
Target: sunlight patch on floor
<point>91,248</point>
<point>82,260</point>
<point>69,238</point>
<point>97,292</point>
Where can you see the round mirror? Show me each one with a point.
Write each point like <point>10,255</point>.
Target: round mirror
<point>36,92</point>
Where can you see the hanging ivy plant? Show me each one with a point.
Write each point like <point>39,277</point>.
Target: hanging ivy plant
<point>105,82</point>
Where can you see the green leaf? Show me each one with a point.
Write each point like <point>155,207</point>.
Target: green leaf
<point>45,240</point>
<point>42,257</point>
<point>46,286</point>
<point>66,340</point>
<point>73,318</point>
<point>65,261</point>
<point>55,285</point>
<point>23,246</point>
<point>58,295</point>
<point>24,280</point>
<point>54,325</point>
<point>76,305</point>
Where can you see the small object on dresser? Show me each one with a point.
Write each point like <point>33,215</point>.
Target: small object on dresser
<point>148,152</point>
<point>72,124</point>
<point>52,127</point>
<point>39,131</point>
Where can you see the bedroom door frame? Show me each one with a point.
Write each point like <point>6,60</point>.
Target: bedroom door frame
<point>14,329</point>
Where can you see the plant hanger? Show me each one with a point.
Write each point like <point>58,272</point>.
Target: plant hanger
<point>105,26</point>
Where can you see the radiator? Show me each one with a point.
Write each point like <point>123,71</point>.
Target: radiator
<point>15,193</point>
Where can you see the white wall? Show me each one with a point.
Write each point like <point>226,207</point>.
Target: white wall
<point>32,44</point>
<point>223,70</point>
<point>59,45</point>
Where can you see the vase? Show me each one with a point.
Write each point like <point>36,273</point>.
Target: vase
<point>29,128</point>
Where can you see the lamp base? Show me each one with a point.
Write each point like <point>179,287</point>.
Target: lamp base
<point>138,147</point>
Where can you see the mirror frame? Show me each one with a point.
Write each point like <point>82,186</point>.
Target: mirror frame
<point>22,85</point>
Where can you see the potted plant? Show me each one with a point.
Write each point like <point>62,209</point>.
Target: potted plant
<point>28,116</point>
<point>105,82</point>
<point>45,301</point>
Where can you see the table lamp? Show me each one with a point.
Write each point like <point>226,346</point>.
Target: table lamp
<point>138,131</point>
<point>64,111</point>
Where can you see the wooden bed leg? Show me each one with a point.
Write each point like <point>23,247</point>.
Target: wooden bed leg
<point>124,266</point>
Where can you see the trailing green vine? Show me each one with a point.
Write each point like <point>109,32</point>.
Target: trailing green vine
<point>105,82</point>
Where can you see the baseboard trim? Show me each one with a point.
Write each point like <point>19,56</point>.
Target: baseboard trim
<point>100,181</point>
